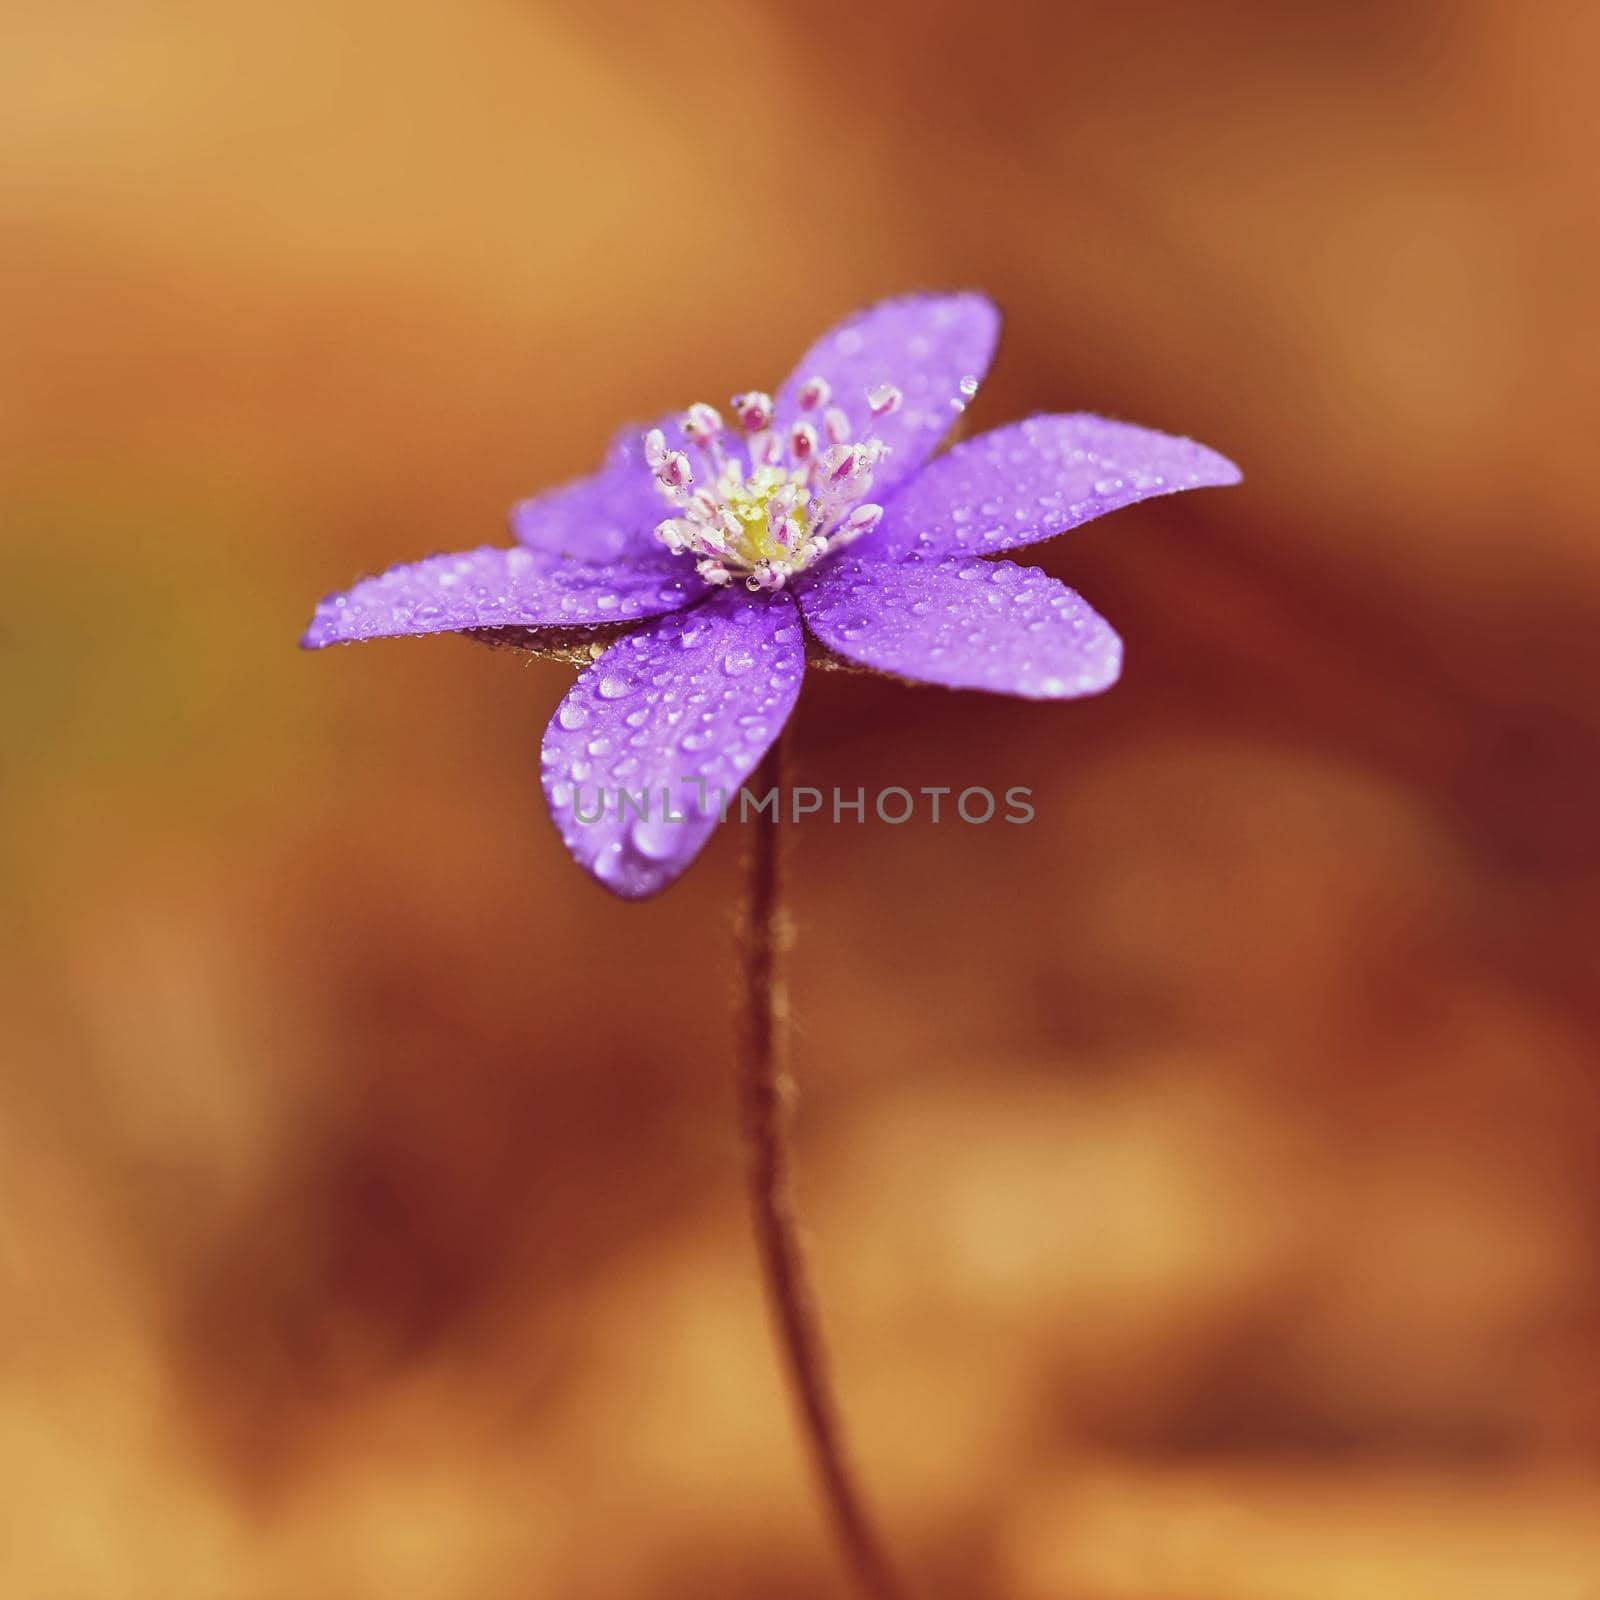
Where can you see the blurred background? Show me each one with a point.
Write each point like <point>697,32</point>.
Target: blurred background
<point>1205,1180</point>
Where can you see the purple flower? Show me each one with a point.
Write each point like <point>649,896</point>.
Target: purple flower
<point>693,568</point>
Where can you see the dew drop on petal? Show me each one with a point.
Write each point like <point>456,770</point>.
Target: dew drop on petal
<point>655,837</point>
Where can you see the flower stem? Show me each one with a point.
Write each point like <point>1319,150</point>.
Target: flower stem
<point>767,1096</point>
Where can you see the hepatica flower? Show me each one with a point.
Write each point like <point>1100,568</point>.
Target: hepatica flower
<point>710,555</point>
<point>697,573</point>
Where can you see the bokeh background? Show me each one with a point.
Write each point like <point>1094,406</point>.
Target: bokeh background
<point>1205,1180</point>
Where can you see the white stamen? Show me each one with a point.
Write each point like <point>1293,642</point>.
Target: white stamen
<point>754,410</point>
<point>862,520</point>
<point>674,470</point>
<point>814,392</point>
<point>701,423</point>
<point>884,399</point>
<point>675,477</point>
<point>767,575</point>
<point>840,463</point>
<point>802,441</point>
<point>801,495</point>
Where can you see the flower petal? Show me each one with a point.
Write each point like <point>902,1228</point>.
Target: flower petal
<point>495,588</point>
<point>1034,479</point>
<point>610,514</point>
<point>934,348</point>
<point>965,623</point>
<point>677,715</point>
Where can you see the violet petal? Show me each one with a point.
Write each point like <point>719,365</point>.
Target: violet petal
<point>499,588</point>
<point>1034,479</point>
<point>934,348</point>
<point>965,623</point>
<point>607,516</point>
<point>677,714</point>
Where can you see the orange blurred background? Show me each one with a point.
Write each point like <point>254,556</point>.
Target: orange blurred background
<point>1205,1179</point>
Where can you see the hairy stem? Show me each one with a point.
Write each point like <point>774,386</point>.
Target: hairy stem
<point>767,1096</point>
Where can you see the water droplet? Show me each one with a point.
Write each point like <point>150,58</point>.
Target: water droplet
<point>571,714</point>
<point>655,837</point>
<point>613,687</point>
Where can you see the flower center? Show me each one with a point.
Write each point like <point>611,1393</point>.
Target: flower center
<point>759,504</point>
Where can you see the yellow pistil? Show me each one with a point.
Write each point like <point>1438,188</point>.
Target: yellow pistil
<point>750,499</point>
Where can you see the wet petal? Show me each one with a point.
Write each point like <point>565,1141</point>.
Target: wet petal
<point>934,348</point>
<point>603,517</point>
<point>965,623</point>
<point>1035,479</point>
<point>496,588</point>
<point>656,737</point>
